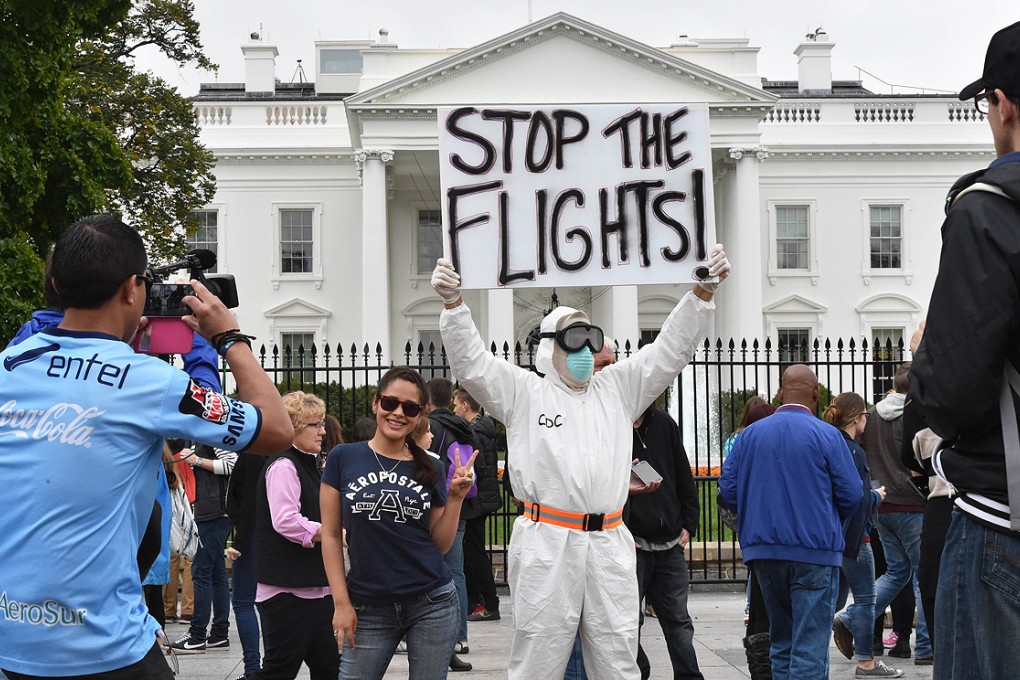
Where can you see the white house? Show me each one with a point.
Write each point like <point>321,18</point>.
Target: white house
<point>828,197</point>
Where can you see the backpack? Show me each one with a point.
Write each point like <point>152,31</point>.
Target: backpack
<point>184,539</point>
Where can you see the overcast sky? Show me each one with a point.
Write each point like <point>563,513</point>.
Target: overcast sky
<point>923,43</point>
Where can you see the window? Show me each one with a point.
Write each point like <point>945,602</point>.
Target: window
<point>296,241</point>
<point>887,353</point>
<point>295,352</point>
<point>793,345</point>
<point>206,236</point>
<point>340,61</point>
<point>792,237</point>
<point>886,236</point>
<point>431,341</point>
<point>647,337</point>
<point>430,240</point>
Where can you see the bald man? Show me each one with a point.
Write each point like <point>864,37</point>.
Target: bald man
<point>792,480</point>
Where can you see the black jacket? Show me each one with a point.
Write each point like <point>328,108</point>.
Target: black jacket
<point>282,562</point>
<point>658,517</point>
<point>210,489</point>
<point>973,327</point>
<point>447,428</point>
<point>241,492</point>
<point>486,465</point>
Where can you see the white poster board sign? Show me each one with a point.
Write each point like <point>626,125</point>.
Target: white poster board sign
<point>591,195</point>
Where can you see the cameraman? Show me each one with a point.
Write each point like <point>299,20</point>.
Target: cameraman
<point>77,397</point>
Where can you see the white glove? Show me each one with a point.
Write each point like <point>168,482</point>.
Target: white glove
<point>446,281</point>
<point>718,265</point>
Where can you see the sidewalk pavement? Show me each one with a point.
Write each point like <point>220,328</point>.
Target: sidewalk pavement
<point>718,634</point>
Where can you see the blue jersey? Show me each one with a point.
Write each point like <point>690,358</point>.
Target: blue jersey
<point>386,514</point>
<point>82,421</point>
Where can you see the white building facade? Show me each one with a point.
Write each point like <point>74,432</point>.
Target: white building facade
<point>828,198</point>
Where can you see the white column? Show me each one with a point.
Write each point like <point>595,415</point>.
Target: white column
<point>375,269</point>
<point>616,313</point>
<point>499,313</point>
<point>740,296</point>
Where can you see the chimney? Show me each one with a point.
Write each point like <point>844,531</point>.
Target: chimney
<point>259,67</point>
<point>814,63</point>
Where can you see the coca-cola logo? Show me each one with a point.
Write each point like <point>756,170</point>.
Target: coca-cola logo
<point>64,423</point>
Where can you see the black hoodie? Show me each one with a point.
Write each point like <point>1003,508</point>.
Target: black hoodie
<point>658,517</point>
<point>973,328</point>
<point>447,428</point>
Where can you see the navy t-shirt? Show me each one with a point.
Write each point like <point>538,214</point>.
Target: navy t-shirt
<point>386,514</point>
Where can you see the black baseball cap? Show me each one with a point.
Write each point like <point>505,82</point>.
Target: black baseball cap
<point>1002,65</point>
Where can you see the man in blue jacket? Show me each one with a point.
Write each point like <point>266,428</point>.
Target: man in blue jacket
<point>792,481</point>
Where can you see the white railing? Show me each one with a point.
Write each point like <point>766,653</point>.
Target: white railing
<point>207,116</point>
<point>810,112</point>
<point>884,112</point>
<point>296,115</point>
<point>963,112</point>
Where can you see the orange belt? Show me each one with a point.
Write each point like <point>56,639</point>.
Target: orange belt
<point>572,520</point>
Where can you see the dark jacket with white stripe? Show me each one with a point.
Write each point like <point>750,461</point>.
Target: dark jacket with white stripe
<point>973,327</point>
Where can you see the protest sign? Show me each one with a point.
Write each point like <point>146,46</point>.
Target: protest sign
<point>588,195</point>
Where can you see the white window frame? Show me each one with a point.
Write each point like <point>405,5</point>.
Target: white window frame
<point>812,336</point>
<point>221,218</point>
<point>905,270</point>
<point>417,207</point>
<point>774,272</point>
<point>315,276</point>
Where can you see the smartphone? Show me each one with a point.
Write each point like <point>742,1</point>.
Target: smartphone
<point>645,472</point>
<point>165,335</point>
<point>167,299</point>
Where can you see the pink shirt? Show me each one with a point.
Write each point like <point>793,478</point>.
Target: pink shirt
<point>283,490</point>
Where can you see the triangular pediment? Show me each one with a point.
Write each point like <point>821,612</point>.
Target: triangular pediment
<point>559,59</point>
<point>795,304</point>
<point>296,307</point>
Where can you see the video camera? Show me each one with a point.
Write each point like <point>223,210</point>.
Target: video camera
<point>167,333</point>
<point>167,299</point>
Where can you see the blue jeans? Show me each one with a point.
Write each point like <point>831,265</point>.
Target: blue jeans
<point>978,603</point>
<point>454,559</point>
<point>428,623</point>
<point>859,578</point>
<point>801,601</point>
<point>243,600</point>
<point>901,540</point>
<point>209,574</point>
<point>575,666</point>
<point>663,582</point>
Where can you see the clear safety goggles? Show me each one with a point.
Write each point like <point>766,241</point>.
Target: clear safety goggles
<point>578,335</point>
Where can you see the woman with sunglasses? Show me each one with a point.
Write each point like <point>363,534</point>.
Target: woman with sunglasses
<point>389,494</point>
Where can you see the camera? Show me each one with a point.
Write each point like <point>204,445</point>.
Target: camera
<point>164,305</point>
<point>167,299</point>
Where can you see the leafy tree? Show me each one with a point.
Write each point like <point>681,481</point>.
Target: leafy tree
<point>18,288</point>
<point>85,132</point>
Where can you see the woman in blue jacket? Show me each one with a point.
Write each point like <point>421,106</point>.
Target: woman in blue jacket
<point>849,414</point>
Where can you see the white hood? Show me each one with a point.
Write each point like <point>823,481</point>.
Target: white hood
<point>550,358</point>
<point>891,407</point>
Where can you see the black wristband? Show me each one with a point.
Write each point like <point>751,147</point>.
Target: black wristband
<point>217,339</point>
<point>226,340</point>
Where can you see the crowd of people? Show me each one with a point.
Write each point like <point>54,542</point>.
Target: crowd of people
<point>346,553</point>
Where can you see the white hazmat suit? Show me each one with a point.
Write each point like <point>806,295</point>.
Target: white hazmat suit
<point>571,443</point>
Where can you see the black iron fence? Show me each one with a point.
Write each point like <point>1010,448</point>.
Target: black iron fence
<point>706,399</point>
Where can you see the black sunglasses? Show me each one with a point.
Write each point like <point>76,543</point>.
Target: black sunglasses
<point>578,335</point>
<point>147,279</point>
<point>411,409</point>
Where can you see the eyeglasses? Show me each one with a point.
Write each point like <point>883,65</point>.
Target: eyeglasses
<point>147,280</point>
<point>411,409</point>
<point>574,337</point>
<point>983,100</point>
<point>319,425</point>
<point>171,657</point>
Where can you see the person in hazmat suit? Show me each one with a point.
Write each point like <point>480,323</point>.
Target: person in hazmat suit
<point>571,562</point>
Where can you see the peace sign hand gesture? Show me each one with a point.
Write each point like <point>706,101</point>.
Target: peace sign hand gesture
<point>463,475</point>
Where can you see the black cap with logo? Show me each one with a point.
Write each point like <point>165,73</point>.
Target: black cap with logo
<point>1002,65</point>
